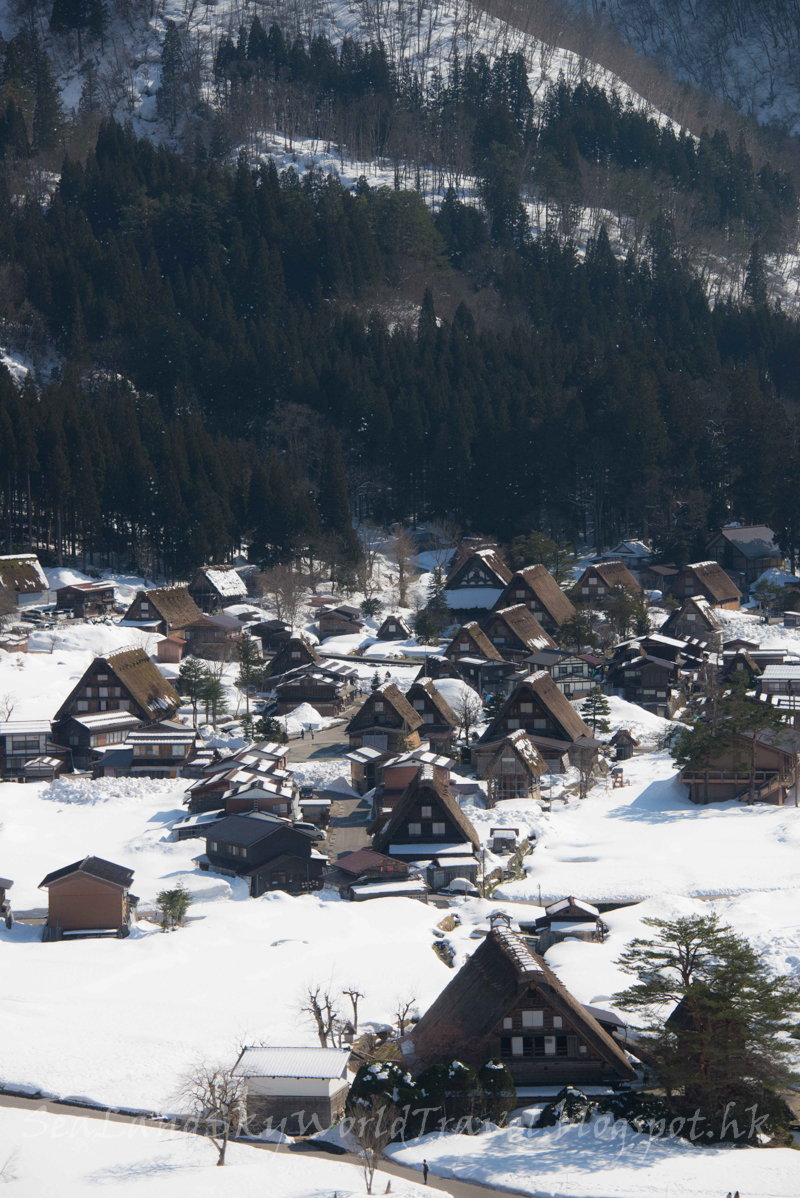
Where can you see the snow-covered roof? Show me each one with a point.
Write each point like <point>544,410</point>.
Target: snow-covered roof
<point>780,672</point>
<point>430,850</point>
<point>108,719</point>
<point>467,597</point>
<point>22,572</point>
<point>24,727</point>
<point>226,582</point>
<point>401,886</point>
<point>562,905</point>
<point>318,1063</point>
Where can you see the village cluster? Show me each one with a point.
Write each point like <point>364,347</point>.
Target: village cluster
<point>427,762</point>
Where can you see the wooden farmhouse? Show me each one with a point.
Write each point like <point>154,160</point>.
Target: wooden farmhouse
<point>514,769</point>
<point>297,651</point>
<point>83,599</point>
<point>90,898</point>
<point>340,621</point>
<point>214,638</point>
<point>6,914</point>
<point>436,666</point>
<point>747,549</point>
<point>709,581</point>
<point>394,628</point>
<point>396,774</point>
<point>23,579</point>
<point>353,870</point>
<point>505,1003</point>
<point>623,743</point>
<point>471,641</point>
<point>515,632</point>
<point>734,663</point>
<point>214,587</point>
<point>123,681</point>
<point>600,580</point>
<point>439,719</point>
<point>552,723</point>
<point>364,765</point>
<point>265,761</point>
<point>728,774</point>
<point>695,618</point>
<point>476,582</point>
<point>164,610</point>
<point>22,741</point>
<point>298,1089</point>
<point>328,687</point>
<point>536,588</point>
<point>160,750</point>
<point>270,853</point>
<point>273,634</point>
<point>650,681</point>
<point>573,673</point>
<point>633,554</point>
<point>568,918</point>
<point>429,828</point>
<point>386,721</point>
<point>273,797</point>
<point>657,578</point>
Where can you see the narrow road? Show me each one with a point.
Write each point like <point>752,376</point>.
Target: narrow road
<point>445,1185</point>
<point>350,817</point>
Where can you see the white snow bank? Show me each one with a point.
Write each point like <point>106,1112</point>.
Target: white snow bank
<point>305,717</point>
<point>96,639</point>
<point>644,725</point>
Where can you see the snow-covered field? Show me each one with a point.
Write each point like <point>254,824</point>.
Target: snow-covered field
<point>72,1156</point>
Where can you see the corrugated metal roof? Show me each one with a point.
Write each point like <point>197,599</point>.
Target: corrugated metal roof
<point>780,672</point>
<point>23,727</point>
<point>321,1063</point>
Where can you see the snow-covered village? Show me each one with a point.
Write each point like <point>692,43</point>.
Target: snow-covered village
<point>399,598</point>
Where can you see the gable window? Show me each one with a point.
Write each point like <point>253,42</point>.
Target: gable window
<point>533,1018</point>
<point>526,708</point>
<point>438,829</point>
<point>498,640</point>
<point>464,647</point>
<point>102,677</point>
<point>516,1046</point>
<point>584,590</point>
<point>415,829</point>
<point>419,704</point>
<point>601,590</point>
<point>427,812</point>
<point>512,723</point>
<point>83,705</point>
<point>557,1023</point>
<point>103,692</point>
<point>508,1023</point>
<point>540,724</point>
<point>295,654</point>
<point>379,706</point>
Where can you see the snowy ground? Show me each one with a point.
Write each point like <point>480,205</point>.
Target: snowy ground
<point>66,1156</point>
<point>647,838</point>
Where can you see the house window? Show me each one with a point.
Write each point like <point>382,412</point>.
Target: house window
<point>212,846</point>
<point>519,594</point>
<point>415,829</point>
<point>427,812</point>
<point>438,829</point>
<point>584,590</point>
<point>582,1048</point>
<point>102,677</point>
<point>103,692</point>
<point>601,590</point>
<point>464,647</point>
<point>25,744</point>
<point>533,1018</point>
<point>179,750</point>
<point>419,704</point>
<point>549,1046</point>
<point>540,724</point>
<point>427,718</point>
<point>393,628</point>
<point>557,1021</point>
<point>690,615</point>
<point>379,706</point>
<point>145,608</point>
<point>526,707</point>
<point>498,640</point>
<point>516,1046</point>
<point>295,654</point>
<point>83,705</point>
<point>242,852</point>
<point>508,1023</point>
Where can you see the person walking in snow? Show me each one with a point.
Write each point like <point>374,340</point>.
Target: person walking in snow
<point>425,1173</point>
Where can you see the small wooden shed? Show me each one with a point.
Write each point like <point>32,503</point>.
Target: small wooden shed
<point>89,898</point>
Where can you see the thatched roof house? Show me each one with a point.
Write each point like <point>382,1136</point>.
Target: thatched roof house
<point>22,577</point>
<point>471,641</point>
<point>538,590</point>
<point>427,822</point>
<point>124,681</point>
<point>297,651</point>
<point>170,609</point>
<point>385,721</point>
<point>515,632</point>
<point>506,1003</point>
<point>709,581</point>
<point>542,710</point>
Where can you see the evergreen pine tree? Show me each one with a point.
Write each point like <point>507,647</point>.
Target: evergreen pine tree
<point>48,117</point>
<point>169,97</point>
<point>192,677</point>
<point>595,710</point>
<point>755,282</point>
<point>250,666</point>
<point>375,682</point>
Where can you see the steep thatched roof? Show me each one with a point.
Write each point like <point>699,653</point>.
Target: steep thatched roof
<point>701,609</point>
<point>426,788</point>
<point>553,600</point>
<point>21,573</point>
<point>522,625</point>
<point>144,682</point>
<point>488,560</point>
<point>613,574</point>
<point>426,688</point>
<point>487,987</point>
<point>173,604</point>
<point>387,693</point>
<point>521,745</point>
<point>483,646</point>
<point>541,688</point>
<point>435,665</point>
<point>400,624</point>
<point>712,578</point>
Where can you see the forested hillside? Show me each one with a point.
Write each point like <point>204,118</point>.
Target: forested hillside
<point>527,340</point>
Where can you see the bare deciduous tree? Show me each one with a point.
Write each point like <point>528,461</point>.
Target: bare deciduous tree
<point>217,1101</point>
<point>286,589</point>
<point>469,708</point>
<point>446,535</point>
<point>7,705</point>
<point>403,1010</point>
<point>400,550</point>
<point>355,996</point>
<point>373,1130</point>
<point>319,1005</point>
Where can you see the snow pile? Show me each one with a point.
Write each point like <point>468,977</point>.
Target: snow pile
<point>306,717</point>
<point>97,639</point>
<point>68,789</point>
<point>644,725</point>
